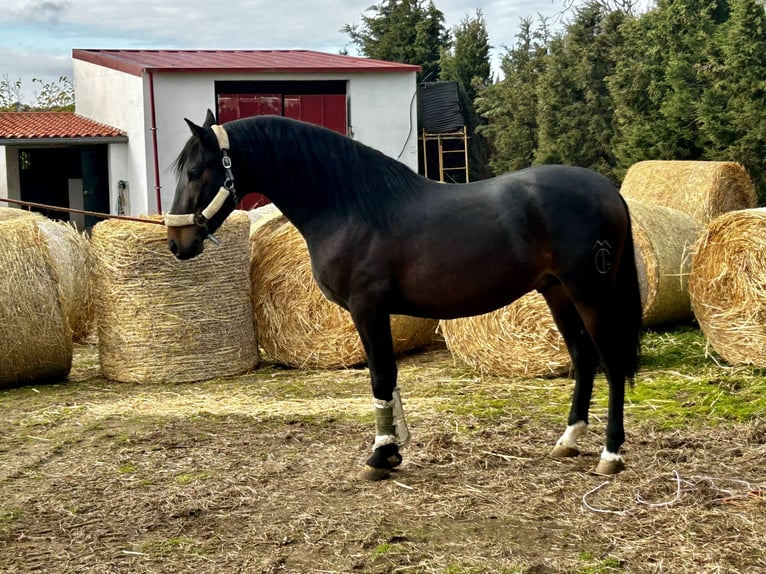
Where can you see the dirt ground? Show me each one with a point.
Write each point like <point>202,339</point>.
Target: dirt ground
<point>257,474</point>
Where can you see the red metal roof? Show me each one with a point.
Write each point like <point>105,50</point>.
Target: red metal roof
<point>136,62</point>
<point>52,125</point>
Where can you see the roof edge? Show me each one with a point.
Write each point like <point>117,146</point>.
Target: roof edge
<point>110,59</point>
<point>49,141</point>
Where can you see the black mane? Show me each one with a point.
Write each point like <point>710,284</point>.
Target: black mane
<point>320,170</point>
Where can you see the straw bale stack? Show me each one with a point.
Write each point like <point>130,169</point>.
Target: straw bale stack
<point>703,189</point>
<point>518,340</point>
<point>35,338</point>
<point>727,283</point>
<point>663,238</point>
<point>297,326</point>
<point>161,319</point>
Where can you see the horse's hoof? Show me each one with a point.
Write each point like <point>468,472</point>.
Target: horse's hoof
<point>386,456</point>
<point>563,451</point>
<point>608,467</point>
<point>372,474</point>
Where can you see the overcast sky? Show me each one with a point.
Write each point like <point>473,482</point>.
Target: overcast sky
<point>37,36</point>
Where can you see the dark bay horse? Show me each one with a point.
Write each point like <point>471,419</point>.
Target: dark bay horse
<point>383,240</point>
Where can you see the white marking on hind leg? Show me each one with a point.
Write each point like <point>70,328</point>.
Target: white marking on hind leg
<point>611,456</point>
<point>572,434</point>
<point>610,463</point>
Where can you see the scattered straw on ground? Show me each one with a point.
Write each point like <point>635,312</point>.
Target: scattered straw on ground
<point>663,238</point>
<point>296,324</point>
<point>161,319</point>
<point>518,340</point>
<point>728,286</point>
<point>703,189</point>
<point>152,492</point>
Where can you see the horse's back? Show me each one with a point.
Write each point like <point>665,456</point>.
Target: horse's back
<point>466,249</point>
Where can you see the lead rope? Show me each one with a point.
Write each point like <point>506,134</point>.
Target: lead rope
<point>226,190</point>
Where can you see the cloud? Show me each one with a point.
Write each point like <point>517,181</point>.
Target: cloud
<point>43,11</point>
<point>37,36</point>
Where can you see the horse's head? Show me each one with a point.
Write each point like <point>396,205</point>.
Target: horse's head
<point>204,194</point>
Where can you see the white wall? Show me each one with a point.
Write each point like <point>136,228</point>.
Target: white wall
<point>10,185</point>
<point>384,114</point>
<point>117,99</point>
<point>178,96</point>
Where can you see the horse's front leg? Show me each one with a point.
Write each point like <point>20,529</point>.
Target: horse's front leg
<point>390,428</point>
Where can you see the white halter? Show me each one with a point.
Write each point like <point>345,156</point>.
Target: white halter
<point>226,190</point>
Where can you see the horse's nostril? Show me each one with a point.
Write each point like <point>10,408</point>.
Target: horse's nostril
<point>173,247</point>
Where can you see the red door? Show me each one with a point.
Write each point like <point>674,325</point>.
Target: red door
<point>328,110</point>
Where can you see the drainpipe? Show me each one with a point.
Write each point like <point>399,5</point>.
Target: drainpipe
<point>157,188</point>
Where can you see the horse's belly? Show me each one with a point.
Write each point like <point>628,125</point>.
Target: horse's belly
<point>462,293</point>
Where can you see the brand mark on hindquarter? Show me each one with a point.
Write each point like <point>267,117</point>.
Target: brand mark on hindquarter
<point>602,256</point>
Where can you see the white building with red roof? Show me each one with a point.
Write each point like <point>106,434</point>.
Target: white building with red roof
<point>115,152</point>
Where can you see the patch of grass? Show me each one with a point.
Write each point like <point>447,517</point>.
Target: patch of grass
<point>680,383</point>
<point>386,549</point>
<point>127,468</point>
<point>7,517</point>
<point>190,477</point>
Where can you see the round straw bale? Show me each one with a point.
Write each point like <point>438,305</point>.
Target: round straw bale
<point>518,340</point>
<point>663,238</point>
<point>35,338</point>
<point>161,319</point>
<point>70,255</point>
<point>297,326</point>
<point>703,189</point>
<point>14,212</point>
<point>727,283</point>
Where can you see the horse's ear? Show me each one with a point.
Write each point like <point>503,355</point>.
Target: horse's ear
<point>209,119</point>
<point>202,133</point>
<point>195,129</point>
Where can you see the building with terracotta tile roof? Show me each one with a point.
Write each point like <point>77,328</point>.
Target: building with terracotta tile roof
<point>115,152</point>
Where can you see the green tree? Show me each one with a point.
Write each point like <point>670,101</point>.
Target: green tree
<point>10,95</point>
<point>658,81</point>
<point>575,110</point>
<point>406,31</point>
<point>733,107</point>
<point>509,106</point>
<point>52,96</point>
<point>466,60</point>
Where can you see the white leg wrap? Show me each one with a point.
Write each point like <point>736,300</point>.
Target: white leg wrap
<point>401,434</point>
<point>572,434</point>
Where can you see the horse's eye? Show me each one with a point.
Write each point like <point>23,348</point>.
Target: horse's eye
<point>194,174</point>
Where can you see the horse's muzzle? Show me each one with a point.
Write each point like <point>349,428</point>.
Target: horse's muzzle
<point>185,242</point>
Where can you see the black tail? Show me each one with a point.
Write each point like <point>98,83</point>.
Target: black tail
<point>628,297</point>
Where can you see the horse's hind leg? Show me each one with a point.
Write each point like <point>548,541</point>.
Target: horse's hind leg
<point>601,323</point>
<point>375,332</point>
<point>585,361</point>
